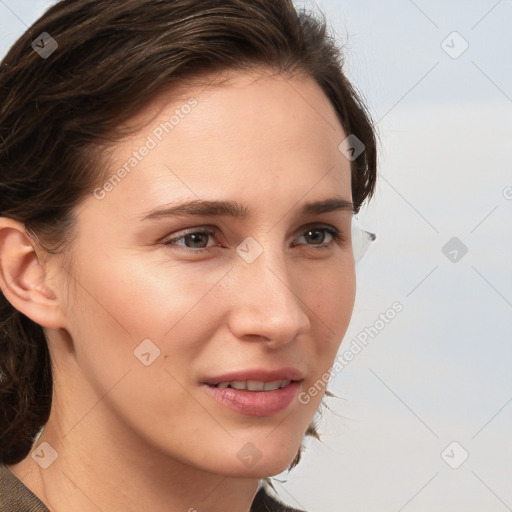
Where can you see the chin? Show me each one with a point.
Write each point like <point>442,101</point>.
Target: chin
<point>258,459</point>
<point>261,469</point>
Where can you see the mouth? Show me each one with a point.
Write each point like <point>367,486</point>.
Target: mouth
<point>256,379</point>
<point>256,392</point>
<point>254,385</point>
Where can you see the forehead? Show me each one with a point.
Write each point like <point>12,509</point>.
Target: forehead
<point>271,136</point>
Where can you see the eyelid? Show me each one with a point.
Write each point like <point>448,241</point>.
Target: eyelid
<point>181,234</point>
<point>337,236</point>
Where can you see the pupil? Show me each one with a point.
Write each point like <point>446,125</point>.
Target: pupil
<point>317,232</point>
<point>196,236</point>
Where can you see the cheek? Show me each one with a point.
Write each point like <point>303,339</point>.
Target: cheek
<point>138,298</point>
<point>332,304</point>
<point>114,310</point>
<point>133,313</point>
<point>331,301</point>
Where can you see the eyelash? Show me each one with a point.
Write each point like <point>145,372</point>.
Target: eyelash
<point>336,236</point>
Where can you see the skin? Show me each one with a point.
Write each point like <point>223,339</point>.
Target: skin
<point>135,437</point>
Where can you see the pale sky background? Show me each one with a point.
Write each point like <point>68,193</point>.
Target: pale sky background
<point>440,371</point>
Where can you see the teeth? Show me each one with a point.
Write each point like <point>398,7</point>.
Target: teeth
<point>254,385</point>
<point>275,384</point>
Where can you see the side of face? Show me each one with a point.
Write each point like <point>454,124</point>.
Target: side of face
<point>150,322</point>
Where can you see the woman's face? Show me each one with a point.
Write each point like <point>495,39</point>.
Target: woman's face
<point>163,307</point>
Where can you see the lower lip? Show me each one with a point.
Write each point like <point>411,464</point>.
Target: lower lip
<point>255,403</point>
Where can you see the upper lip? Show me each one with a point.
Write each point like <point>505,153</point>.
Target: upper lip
<point>258,374</point>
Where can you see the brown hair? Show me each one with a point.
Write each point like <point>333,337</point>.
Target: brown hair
<point>58,109</point>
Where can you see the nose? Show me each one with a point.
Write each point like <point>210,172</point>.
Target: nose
<point>267,308</point>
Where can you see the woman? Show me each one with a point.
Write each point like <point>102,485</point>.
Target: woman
<point>177,183</point>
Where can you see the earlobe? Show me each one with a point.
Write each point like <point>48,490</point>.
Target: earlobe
<point>23,276</point>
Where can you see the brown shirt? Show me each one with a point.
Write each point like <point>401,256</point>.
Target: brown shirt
<point>15,496</point>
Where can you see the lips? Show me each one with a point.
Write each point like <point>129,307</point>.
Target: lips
<point>257,375</point>
<point>255,392</point>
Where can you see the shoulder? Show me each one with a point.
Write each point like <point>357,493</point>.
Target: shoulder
<point>15,496</point>
<point>263,502</point>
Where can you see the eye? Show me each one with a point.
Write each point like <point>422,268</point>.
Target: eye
<point>317,235</point>
<point>196,238</point>
<point>196,241</point>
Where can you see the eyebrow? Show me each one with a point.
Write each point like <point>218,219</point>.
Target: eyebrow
<point>240,211</point>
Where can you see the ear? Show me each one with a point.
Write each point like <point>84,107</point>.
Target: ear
<point>23,276</point>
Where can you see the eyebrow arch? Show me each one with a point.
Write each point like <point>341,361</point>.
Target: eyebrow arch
<point>240,211</point>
